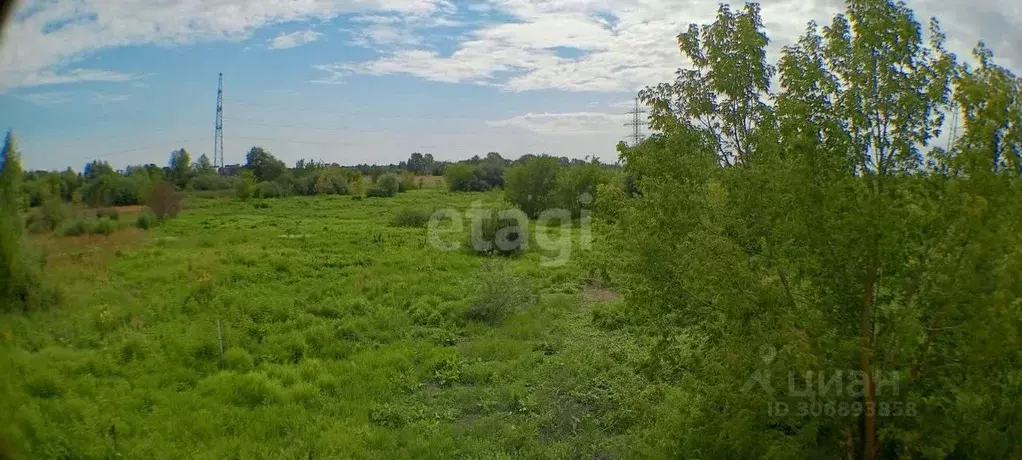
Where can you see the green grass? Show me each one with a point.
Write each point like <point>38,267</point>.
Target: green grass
<point>344,337</point>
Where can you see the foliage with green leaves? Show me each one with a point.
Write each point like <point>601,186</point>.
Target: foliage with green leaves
<point>245,187</point>
<point>165,202</point>
<point>203,167</point>
<point>264,165</point>
<point>387,185</point>
<point>530,184</point>
<point>180,168</point>
<point>20,276</point>
<point>12,270</point>
<point>791,240</point>
<point>500,294</point>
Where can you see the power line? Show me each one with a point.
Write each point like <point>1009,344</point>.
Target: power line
<point>136,149</point>
<point>244,122</point>
<point>636,123</point>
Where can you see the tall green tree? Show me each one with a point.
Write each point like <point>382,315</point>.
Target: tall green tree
<point>97,168</point>
<point>429,165</point>
<point>816,249</point>
<point>203,167</point>
<point>416,163</point>
<point>180,168</point>
<point>16,277</point>
<point>264,165</point>
<point>530,185</point>
<point>10,222</point>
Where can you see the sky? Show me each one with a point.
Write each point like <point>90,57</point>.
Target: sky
<point>370,81</point>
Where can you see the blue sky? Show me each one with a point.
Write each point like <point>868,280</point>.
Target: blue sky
<point>128,81</point>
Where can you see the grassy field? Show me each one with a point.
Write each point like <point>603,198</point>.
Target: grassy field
<point>343,336</point>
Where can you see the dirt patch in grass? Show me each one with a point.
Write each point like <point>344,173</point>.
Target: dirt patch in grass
<point>592,294</point>
<point>89,250</point>
<point>130,209</point>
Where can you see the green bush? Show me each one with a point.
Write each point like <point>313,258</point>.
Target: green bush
<point>164,201</point>
<point>72,227</point>
<point>87,225</point>
<point>499,231</point>
<point>249,390</point>
<point>530,185</point>
<point>387,185</point>
<point>331,181</point>
<point>212,182</point>
<point>411,218</point>
<point>377,192</point>
<point>103,226</point>
<point>269,190</point>
<point>109,213</point>
<point>576,187</point>
<point>145,220</point>
<point>408,182</point>
<point>47,217</point>
<point>462,177</point>
<point>499,294</point>
<point>245,187</point>
<point>238,359</point>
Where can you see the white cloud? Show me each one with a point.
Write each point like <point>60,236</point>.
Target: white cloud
<point>48,77</point>
<point>385,35</point>
<point>46,99</point>
<point>293,39</point>
<point>561,124</point>
<point>47,38</point>
<point>104,98</point>
<point>624,45</point>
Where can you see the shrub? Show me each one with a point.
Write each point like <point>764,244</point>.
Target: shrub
<point>285,184</point>
<point>408,182</point>
<point>112,189</point>
<point>411,218</point>
<point>269,190</point>
<point>389,184</point>
<point>305,184</point>
<point>530,185</point>
<point>145,220</point>
<point>165,202</point>
<point>238,359</point>
<point>379,192</point>
<point>504,231</point>
<point>499,294</point>
<point>102,226</point>
<point>72,227</point>
<point>48,216</point>
<point>245,187</point>
<point>127,191</point>
<point>357,185</point>
<point>462,177</point>
<point>576,187</point>
<point>331,181</point>
<point>212,182</point>
<point>249,390</point>
<point>109,213</point>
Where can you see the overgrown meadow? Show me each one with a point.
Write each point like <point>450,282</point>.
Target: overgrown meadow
<point>345,334</point>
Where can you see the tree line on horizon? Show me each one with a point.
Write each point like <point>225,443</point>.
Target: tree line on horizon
<point>101,185</point>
